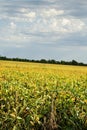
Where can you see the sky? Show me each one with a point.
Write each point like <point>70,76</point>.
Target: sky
<point>44,29</point>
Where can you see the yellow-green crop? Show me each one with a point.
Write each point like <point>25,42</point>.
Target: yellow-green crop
<point>42,96</point>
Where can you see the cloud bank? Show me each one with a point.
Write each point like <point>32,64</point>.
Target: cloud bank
<point>44,29</point>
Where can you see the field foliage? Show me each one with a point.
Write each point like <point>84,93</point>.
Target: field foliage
<point>42,96</point>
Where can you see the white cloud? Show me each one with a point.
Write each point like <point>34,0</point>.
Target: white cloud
<point>12,25</point>
<point>72,24</point>
<point>23,10</point>
<point>59,25</point>
<point>27,13</point>
<point>30,15</point>
<point>51,12</point>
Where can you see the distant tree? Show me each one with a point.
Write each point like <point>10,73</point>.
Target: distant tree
<point>43,61</point>
<point>81,64</point>
<point>3,58</point>
<point>51,61</point>
<point>62,62</point>
<point>74,62</point>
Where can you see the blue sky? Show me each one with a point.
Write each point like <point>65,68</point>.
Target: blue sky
<point>49,29</point>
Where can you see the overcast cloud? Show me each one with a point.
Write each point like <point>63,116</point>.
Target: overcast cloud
<point>50,29</point>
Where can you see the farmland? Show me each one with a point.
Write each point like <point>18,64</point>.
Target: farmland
<point>38,96</point>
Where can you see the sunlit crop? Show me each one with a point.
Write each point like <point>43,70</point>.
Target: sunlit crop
<point>42,96</point>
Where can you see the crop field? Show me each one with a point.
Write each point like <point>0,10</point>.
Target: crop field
<point>36,96</point>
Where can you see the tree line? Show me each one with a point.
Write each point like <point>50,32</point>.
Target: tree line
<point>50,61</point>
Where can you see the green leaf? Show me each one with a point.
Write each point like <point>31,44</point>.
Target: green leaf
<point>15,128</point>
<point>19,118</point>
